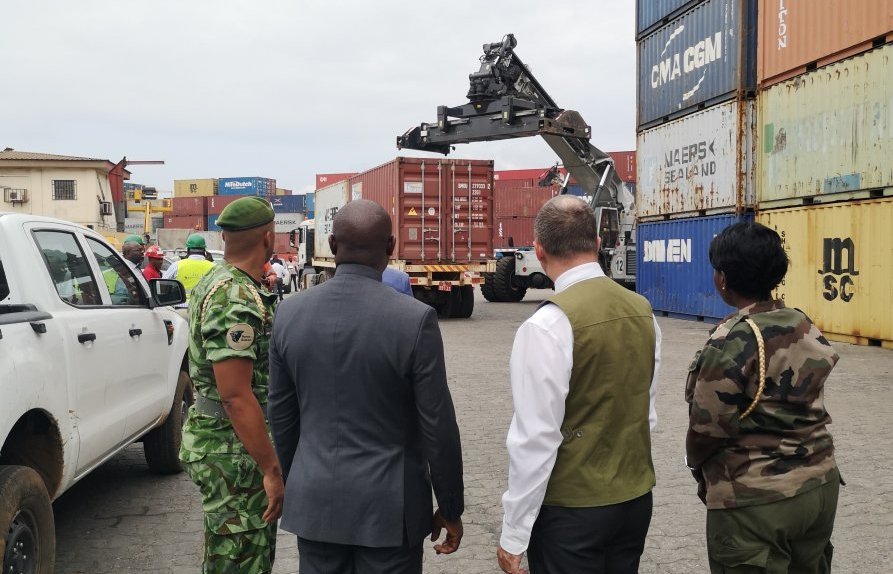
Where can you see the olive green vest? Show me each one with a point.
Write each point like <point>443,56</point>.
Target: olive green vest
<point>605,457</point>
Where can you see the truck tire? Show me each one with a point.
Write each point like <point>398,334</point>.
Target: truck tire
<point>27,530</point>
<point>162,445</point>
<point>447,302</point>
<point>505,284</point>
<point>466,302</point>
<point>487,289</point>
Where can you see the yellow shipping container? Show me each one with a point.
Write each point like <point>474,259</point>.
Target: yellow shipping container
<point>195,187</point>
<point>841,272</point>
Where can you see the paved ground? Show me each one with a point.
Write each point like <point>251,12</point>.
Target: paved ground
<point>124,519</point>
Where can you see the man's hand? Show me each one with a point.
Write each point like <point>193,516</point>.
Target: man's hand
<point>508,562</point>
<point>275,489</point>
<point>453,536</point>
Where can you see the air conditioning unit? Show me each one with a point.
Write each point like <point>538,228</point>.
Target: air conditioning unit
<point>105,208</point>
<point>15,195</point>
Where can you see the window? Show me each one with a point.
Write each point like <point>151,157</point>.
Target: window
<point>122,285</point>
<point>68,267</point>
<point>4,284</point>
<point>64,189</point>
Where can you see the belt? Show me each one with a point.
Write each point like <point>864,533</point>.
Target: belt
<point>211,408</point>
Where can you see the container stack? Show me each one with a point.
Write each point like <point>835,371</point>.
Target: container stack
<point>260,186</point>
<point>517,198</point>
<point>824,147</point>
<point>695,135</point>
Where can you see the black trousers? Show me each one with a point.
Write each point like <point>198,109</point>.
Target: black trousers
<point>599,540</point>
<point>328,558</point>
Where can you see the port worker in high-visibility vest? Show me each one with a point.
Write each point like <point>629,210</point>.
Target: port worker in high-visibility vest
<point>188,271</point>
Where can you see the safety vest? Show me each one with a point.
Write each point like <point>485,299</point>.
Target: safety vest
<point>189,271</point>
<point>110,277</point>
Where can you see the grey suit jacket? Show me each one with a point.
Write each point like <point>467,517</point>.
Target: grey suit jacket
<point>361,414</point>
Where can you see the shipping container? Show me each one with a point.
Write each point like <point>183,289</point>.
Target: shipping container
<point>513,232</point>
<point>260,186</point>
<point>281,191</point>
<point>216,204</point>
<point>698,165</point>
<point>196,222</point>
<point>511,198</point>
<point>310,202</point>
<point>289,204</point>
<point>674,271</point>
<point>212,223</point>
<point>134,225</point>
<point>286,222</point>
<point>157,222</point>
<point>796,36</point>
<point>195,187</point>
<point>828,135</point>
<point>183,206</point>
<point>841,271</point>
<point>704,57</point>
<point>625,164</point>
<point>281,245</point>
<point>651,14</point>
<point>327,179</point>
<point>328,201</point>
<point>530,177</point>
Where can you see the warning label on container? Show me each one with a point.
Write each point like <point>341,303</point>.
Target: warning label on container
<point>412,211</point>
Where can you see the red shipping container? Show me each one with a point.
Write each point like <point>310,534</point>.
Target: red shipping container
<point>324,179</point>
<point>520,174</point>
<point>189,206</point>
<point>196,222</point>
<point>281,246</point>
<point>625,164</point>
<point>513,232</point>
<point>521,199</point>
<point>442,209</point>
<point>216,203</point>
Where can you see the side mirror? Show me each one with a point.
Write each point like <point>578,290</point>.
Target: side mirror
<point>166,292</point>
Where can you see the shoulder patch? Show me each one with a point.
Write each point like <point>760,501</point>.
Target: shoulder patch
<point>240,336</point>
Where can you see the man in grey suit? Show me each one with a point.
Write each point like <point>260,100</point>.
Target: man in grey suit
<point>361,414</point>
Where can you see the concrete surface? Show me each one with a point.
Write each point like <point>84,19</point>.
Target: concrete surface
<point>122,519</point>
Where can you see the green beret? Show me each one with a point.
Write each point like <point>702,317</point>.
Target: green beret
<point>134,239</point>
<point>245,213</point>
<point>195,241</point>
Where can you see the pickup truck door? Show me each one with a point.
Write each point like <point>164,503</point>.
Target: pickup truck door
<point>95,340</point>
<point>145,387</point>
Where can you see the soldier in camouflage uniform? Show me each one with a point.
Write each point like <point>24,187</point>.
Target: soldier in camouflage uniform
<point>763,458</point>
<point>226,447</point>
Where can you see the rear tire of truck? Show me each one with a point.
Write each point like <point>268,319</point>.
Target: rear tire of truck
<point>506,285</point>
<point>162,445</point>
<point>487,289</point>
<point>447,303</point>
<point>466,302</point>
<point>27,529</point>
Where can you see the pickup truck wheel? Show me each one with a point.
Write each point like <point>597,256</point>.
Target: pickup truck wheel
<point>162,444</point>
<point>28,543</point>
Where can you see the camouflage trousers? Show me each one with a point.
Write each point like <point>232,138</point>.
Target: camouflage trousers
<point>237,540</point>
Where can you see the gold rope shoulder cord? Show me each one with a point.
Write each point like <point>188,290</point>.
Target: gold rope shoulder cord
<point>761,347</point>
<point>254,293</point>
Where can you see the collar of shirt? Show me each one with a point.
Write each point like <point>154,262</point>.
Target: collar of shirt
<point>357,269</point>
<point>576,274</point>
<point>197,257</point>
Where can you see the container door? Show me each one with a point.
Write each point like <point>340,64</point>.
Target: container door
<point>470,207</point>
<point>421,220</point>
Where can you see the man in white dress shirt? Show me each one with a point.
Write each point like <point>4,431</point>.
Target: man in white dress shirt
<point>582,369</point>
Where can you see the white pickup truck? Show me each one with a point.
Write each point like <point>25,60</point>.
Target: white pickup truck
<point>91,360</point>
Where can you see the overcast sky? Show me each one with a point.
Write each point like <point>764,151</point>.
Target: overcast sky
<point>288,89</point>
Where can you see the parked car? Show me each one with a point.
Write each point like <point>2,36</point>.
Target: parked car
<point>91,361</point>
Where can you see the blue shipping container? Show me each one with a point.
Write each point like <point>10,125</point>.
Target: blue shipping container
<point>288,204</point>
<point>212,223</point>
<point>704,57</point>
<point>650,14</point>
<point>261,186</point>
<point>310,202</point>
<point>674,271</point>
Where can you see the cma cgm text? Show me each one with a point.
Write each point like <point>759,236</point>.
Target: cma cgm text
<point>692,58</point>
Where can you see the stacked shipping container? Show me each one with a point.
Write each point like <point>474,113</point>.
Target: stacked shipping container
<point>824,143</point>
<point>696,120</point>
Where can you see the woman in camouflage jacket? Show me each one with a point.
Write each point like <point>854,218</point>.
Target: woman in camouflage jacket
<point>758,441</point>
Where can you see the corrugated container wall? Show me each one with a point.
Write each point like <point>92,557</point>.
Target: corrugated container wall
<point>217,203</point>
<point>700,164</point>
<point>281,245</point>
<point>327,179</point>
<point>828,132</point>
<point>212,223</point>
<point>625,164</point>
<point>289,204</point>
<point>841,271</point>
<point>530,177</point>
<point>520,198</point>
<point>280,191</point>
<point>196,222</point>
<point>286,222</point>
<point>702,58</point>
<point>651,14</point>
<point>260,186</point>
<point>328,200</point>
<point>674,271</point>
<point>513,232</point>
<point>310,204</point>
<point>134,224</point>
<point>195,187</point>
<point>442,209</point>
<point>183,206</point>
<point>796,35</point>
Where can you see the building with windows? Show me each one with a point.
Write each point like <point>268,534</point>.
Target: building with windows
<point>76,189</point>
